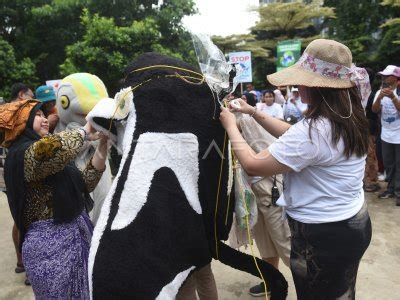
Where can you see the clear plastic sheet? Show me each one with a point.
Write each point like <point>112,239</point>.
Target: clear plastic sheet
<point>216,70</point>
<point>245,200</point>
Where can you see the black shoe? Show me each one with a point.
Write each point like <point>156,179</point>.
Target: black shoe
<point>386,195</point>
<point>19,269</point>
<point>27,282</point>
<point>372,188</point>
<point>397,201</point>
<point>258,290</point>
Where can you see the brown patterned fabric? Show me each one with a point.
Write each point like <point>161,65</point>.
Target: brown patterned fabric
<point>13,118</point>
<point>51,154</point>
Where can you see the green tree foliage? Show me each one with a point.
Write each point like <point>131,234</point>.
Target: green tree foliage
<point>107,48</point>
<point>278,22</point>
<point>358,24</point>
<point>284,21</point>
<point>50,32</point>
<point>242,42</point>
<point>12,71</point>
<point>393,24</point>
<point>291,20</point>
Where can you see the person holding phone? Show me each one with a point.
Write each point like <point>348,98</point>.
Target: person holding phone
<point>387,103</point>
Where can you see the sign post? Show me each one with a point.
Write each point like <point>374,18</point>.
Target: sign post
<point>243,59</point>
<point>288,53</point>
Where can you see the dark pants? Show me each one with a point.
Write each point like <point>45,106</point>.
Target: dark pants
<point>324,258</point>
<point>381,168</point>
<point>391,160</point>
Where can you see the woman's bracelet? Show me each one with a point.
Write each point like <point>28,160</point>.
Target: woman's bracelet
<point>254,112</point>
<point>85,134</point>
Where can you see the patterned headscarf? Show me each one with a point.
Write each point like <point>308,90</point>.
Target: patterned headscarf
<point>13,119</point>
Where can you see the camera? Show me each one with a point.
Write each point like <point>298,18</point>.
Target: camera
<point>274,195</point>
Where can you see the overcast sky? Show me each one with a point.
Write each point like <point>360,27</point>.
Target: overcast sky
<point>222,17</point>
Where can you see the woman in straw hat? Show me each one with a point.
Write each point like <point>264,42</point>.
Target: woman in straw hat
<point>49,198</point>
<point>322,158</point>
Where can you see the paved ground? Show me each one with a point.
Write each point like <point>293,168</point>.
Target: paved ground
<point>378,277</point>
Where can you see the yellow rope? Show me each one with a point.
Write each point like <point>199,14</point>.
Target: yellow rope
<point>217,200</point>
<point>251,248</point>
<point>132,89</point>
<point>184,78</point>
<point>249,235</point>
<point>167,67</point>
<point>229,196</point>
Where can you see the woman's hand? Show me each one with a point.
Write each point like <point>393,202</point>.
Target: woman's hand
<point>100,156</point>
<point>91,133</point>
<point>227,118</point>
<point>243,108</point>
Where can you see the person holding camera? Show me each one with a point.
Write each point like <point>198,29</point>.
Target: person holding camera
<point>387,103</point>
<point>322,158</point>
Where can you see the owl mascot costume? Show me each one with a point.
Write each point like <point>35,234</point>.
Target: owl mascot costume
<point>76,96</point>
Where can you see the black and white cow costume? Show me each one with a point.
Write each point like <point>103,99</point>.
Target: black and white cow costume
<point>157,224</point>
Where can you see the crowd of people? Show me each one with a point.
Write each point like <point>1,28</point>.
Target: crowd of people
<point>309,138</point>
<point>381,109</point>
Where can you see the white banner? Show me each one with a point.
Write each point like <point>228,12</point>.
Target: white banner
<point>243,59</point>
<point>54,84</point>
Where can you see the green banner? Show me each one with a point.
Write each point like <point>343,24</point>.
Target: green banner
<point>288,52</point>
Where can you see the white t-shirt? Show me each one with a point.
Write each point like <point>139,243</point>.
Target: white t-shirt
<point>390,119</point>
<point>324,186</point>
<point>275,110</point>
<point>296,110</point>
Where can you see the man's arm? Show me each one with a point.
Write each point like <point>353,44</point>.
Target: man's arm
<point>395,101</point>
<point>376,104</point>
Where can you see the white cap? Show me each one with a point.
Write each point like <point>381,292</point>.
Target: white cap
<point>253,92</point>
<point>295,89</point>
<point>391,70</point>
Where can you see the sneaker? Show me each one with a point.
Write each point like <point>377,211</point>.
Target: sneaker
<point>372,188</point>
<point>381,176</point>
<point>258,290</point>
<point>385,195</point>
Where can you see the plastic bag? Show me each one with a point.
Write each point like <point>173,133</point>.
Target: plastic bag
<point>220,75</point>
<point>245,200</point>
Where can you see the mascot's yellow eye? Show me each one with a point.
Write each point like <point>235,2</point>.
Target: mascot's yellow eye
<point>64,102</point>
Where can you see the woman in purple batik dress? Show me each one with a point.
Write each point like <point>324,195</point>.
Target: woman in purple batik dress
<point>49,199</point>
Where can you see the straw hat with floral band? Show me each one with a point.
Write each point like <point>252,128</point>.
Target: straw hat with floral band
<point>326,64</point>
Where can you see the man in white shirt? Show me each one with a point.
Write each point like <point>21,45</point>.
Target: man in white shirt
<point>294,107</point>
<point>388,104</point>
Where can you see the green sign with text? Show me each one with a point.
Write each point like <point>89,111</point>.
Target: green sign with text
<point>288,52</point>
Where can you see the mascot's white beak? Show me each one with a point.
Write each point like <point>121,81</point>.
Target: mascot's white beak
<point>108,117</point>
<point>101,115</point>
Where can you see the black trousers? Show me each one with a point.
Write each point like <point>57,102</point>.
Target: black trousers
<point>324,257</point>
<point>391,161</point>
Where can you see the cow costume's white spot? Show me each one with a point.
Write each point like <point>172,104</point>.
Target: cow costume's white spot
<point>179,152</point>
<point>170,290</point>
